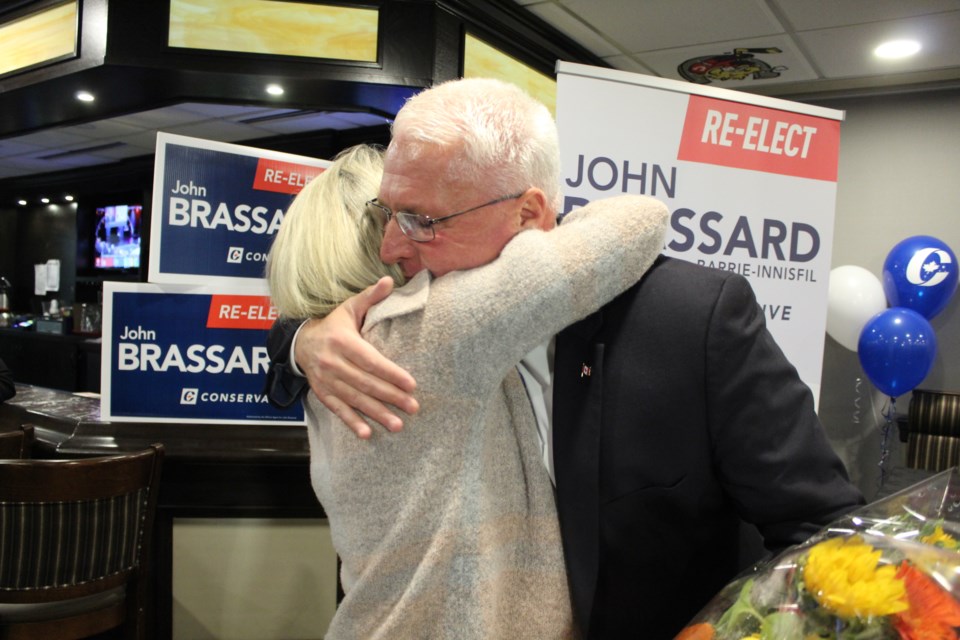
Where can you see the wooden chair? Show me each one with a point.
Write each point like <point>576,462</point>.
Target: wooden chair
<point>16,444</point>
<point>75,537</point>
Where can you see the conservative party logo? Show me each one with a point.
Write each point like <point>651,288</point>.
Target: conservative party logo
<point>928,267</point>
<point>920,273</point>
<point>189,396</point>
<point>238,255</point>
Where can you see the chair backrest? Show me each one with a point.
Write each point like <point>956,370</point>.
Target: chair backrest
<point>933,423</point>
<point>932,453</point>
<point>16,444</point>
<point>73,530</point>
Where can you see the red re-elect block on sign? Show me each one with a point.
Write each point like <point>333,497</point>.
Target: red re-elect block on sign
<point>283,177</point>
<point>240,312</point>
<point>744,136</point>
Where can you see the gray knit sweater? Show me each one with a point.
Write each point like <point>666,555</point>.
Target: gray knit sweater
<point>448,529</point>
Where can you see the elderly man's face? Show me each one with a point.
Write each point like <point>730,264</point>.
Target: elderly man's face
<point>464,242</point>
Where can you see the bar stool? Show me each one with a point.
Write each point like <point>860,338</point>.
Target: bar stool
<point>17,444</point>
<point>74,545</point>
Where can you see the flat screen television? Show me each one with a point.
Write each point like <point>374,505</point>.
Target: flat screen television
<point>116,237</point>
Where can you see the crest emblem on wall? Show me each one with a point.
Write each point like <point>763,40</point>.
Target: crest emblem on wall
<point>740,64</point>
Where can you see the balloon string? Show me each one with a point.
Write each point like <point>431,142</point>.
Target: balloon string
<point>888,416</point>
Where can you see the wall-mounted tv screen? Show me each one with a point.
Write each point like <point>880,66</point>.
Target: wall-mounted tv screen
<point>116,241</point>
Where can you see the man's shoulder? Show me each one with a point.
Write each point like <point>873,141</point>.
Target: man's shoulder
<point>674,288</point>
<point>681,274</point>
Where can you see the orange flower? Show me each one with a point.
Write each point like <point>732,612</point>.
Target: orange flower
<point>700,631</point>
<point>933,613</point>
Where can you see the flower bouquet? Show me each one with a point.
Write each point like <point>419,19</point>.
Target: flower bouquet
<point>890,570</point>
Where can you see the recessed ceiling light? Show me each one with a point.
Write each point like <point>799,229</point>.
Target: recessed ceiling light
<point>22,203</point>
<point>45,200</point>
<point>274,89</point>
<point>68,198</point>
<point>895,49</point>
<point>85,96</point>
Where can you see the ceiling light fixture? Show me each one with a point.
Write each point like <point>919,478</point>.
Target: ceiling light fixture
<point>274,89</point>
<point>68,198</point>
<point>85,96</point>
<point>22,203</point>
<point>45,200</point>
<point>896,49</point>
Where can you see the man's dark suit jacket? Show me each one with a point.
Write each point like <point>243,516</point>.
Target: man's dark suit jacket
<point>690,419</point>
<point>675,415</point>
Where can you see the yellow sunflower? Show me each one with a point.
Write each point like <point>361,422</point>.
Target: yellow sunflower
<point>843,575</point>
<point>939,538</point>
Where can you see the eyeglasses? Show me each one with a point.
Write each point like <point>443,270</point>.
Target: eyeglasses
<point>420,228</point>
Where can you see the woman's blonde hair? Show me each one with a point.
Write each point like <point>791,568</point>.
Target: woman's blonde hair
<point>328,248</point>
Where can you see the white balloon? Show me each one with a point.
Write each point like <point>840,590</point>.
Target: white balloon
<point>855,296</point>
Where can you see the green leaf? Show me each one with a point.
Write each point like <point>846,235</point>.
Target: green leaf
<point>741,617</point>
<point>782,625</point>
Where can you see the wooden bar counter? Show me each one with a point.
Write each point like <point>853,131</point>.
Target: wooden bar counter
<point>210,471</point>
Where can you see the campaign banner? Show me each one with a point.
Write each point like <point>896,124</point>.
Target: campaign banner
<point>750,182</point>
<point>190,354</point>
<point>217,207</point>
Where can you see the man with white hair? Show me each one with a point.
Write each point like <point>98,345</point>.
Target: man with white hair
<point>667,418</point>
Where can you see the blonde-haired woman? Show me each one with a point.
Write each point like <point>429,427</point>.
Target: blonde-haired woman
<point>326,250</point>
<point>448,529</point>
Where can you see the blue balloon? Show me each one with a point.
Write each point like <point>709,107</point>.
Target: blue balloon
<point>896,350</point>
<point>920,273</point>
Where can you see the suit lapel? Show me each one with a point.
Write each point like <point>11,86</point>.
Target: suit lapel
<point>578,381</point>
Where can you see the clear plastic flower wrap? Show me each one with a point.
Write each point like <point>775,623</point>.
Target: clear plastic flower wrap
<point>890,570</point>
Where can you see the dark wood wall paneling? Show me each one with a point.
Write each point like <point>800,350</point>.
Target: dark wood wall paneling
<point>8,241</point>
<point>44,232</point>
<point>131,68</point>
<point>124,59</point>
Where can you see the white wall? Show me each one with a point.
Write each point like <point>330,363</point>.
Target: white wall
<point>899,177</point>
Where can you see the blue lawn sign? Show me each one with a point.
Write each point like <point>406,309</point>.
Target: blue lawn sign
<point>217,207</point>
<point>194,354</point>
